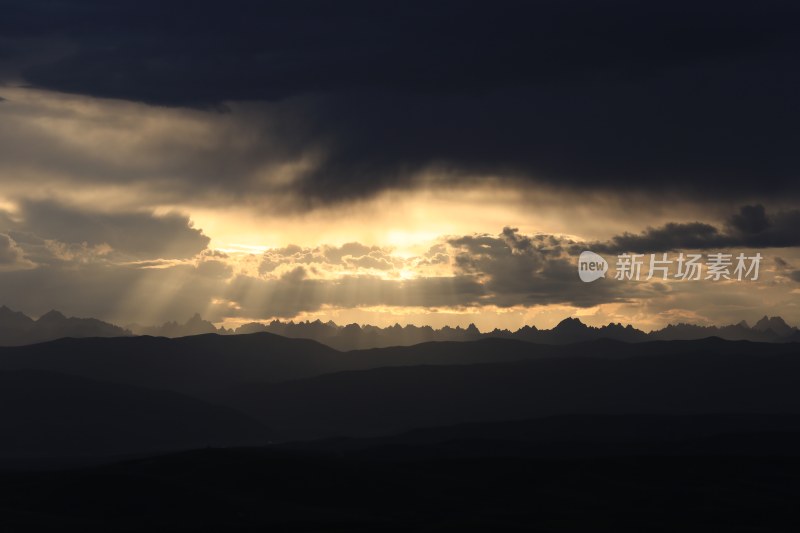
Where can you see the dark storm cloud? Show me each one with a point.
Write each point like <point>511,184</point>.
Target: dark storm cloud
<point>139,235</point>
<point>671,236</point>
<point>526,270</point>
<point>751,227</point>
<point>680,96</point>
<point>785,268</point>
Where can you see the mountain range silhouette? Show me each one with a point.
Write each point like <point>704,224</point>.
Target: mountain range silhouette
<point>18,329</point>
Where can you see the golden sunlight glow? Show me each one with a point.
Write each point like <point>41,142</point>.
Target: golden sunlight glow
<point>108,156</point>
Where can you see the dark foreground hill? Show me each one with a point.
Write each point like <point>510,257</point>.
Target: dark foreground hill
<point>582,436</point>
<point>672,485</point>
<point>382,391</point>
<point>709,439</point>
<point>186,363</point>
<point>52,416</point>
<point>208,362</point>
<point>392,399</point>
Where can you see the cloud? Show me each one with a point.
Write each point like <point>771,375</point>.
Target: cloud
<point>754,227</point>
<point>353,256</point>
<point>335,254</point>
<point>623,96</point>
<point>122,154</point>
<point>145,51</point>
<point>11,255</point>
<point>114,114</point>
<point>751,227</point>
<point>505,270</point>
<point>508,271</point>
<point>526,270</point>
<point>370,261</point>
<point>140,235</point>
<point>295,275</point>
<point>785,268</point>
<point>119,293</point>
<point>671,236</point>
<point>213,268</point>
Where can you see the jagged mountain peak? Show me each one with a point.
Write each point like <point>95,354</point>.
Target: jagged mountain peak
<point>11,318</point>
<point>774,323</point>
<point>571,323</point>
<point>52,316</point>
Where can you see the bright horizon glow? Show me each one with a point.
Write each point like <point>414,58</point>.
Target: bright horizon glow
<point>104,161</point>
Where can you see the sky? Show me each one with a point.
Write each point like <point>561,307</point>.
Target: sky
<point>439,163</point>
